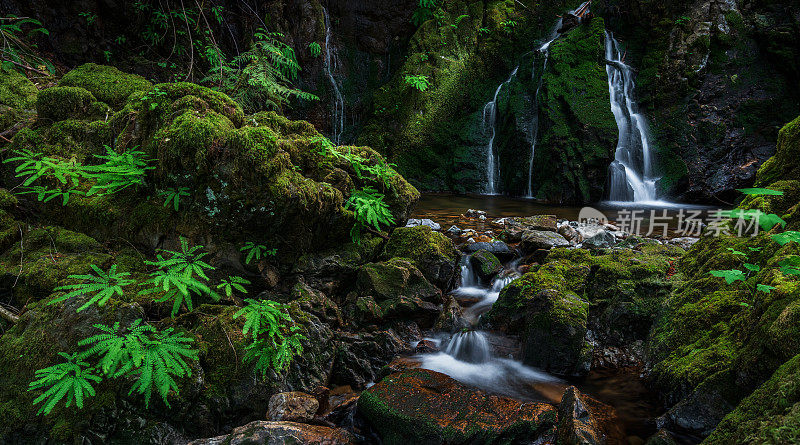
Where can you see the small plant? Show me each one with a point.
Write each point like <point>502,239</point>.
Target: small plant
<point>99,287</point>
<point>90,17</point>
<point>151,98</point>
<point>120,39</point>
<point>180,276</point>
<point>72,379</point>
<point>275,338</point>
<point>155,358</point>
<point>484,31</point>
<point>424,12</point>
<point>45,194</point>
<point>418,82</point>
<point>16,51</point>
<point>118,172</point>
<point>315,49</point>
<point>233,283</point>
<point>682,20</point>
<point>508,26</point>
<point>174,196</point>
<point>369,210</point>
<point>35,165</point>
<point>256,251</point>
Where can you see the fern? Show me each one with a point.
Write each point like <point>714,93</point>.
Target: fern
<point>275,339</point>
<point>154,357</point>
<point>174,196</point>
<point>761,191</point>
<point>233,283</point>
<point>46,194</point>
<point>99,287</point>
<point>180,276</point>
<point>72,379</point>
<point>34,165</point>
<point>315,49</point>
<point>256,251</point>
<point>369,210</point>
<point>118,172</point>
<point>417,82</point>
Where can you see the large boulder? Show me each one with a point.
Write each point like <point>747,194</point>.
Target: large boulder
<point>577,425</point>
<point>514,227</point>
<point>281,433</point>
<point>496,248</point>
<point>106,83</point>
<point>292,406</point>
<point>533,240</point>
<point>420,406</point>
<point>395,289</point>
<point>486,265</point>
<point>432,252</point>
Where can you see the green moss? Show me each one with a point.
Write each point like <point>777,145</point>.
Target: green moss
<point>16,91</point>
<point>784,164</point>
<point>185,142</point>
<point>106,83</point>
<point>59,103</point>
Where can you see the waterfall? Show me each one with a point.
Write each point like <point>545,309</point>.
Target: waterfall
<point>492,158</point>
<point>331,61</point>
<point>469,346</point>
<point>631,172</point>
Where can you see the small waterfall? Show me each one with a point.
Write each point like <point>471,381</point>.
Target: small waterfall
<point>631,172</point>
<point>331,62</point>
<point>492,158</point>
<point>470,347</point>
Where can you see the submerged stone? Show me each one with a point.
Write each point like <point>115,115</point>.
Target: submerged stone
<point>281,433</point>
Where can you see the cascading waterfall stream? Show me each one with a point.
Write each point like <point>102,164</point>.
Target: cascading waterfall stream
<point>331,61</point>
<point>631,172</point>
<point>468,355</point>
<point>492,158</point>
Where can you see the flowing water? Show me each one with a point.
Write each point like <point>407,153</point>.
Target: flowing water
<point>330,65</point>
<point>631,172</point>
<point>490,121</point>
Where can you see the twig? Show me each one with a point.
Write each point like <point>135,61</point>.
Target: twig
<point>8,315</point>
<point>21,255</point>
<point>375,232</point>
<point>30,68</point>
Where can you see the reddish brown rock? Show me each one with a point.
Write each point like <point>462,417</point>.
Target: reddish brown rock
<point>281,433</point>
<point>583,420</point>
<point>420,406</point>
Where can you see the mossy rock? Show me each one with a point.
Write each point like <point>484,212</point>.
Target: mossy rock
<point>106,83</point>
<point>59,103</point>
<point>433,253</point>
<point>16,90</point>
<point>486,264</point>
<point>425,407</point>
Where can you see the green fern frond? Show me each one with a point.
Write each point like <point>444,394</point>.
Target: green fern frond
<point>71,380</point>
<point>99,287</point>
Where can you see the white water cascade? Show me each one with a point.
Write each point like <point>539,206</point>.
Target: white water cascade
<point>468,355</point>
<point>331,61</point>
<point>492,158</point>
<point>631,173</point>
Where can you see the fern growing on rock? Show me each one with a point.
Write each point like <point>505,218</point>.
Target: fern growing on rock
<point>118,172</point>
<point>275,339</point>
<point>71,380</point>
<point>256,251</point>
<point>369,210</point>
<point>180,276</point>
<point>98,287</point>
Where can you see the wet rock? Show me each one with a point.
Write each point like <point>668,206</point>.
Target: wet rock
<point>515,227</point>
<point>395,289</point>
<point>662,437</point>
<point>452,317</point>
<point>486,265</point>
<point>425,407</point>
<point>533,240</point>
<point>424,222</point>
<point>602,240</point>
<point>433,253</point>
<point>292,406</point>
<point>590,230</point>
<point>281,433</point>
<point>570,234</point>
<point>576,424</point>
<point>361,356</point>
<point>454,231</point>
<point>497,248</point>
<point>685,242</point>
<point>473,213</point>
<point>426,347</point>
<point>341,402</point>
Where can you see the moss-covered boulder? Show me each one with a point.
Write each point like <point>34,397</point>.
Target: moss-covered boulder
<point>59,103</point>
<point>432,252</point>
<point>485,264</point>
<point>615,293</point>
<point>106,83</point>
<point>395,289</point>
<point>425,407</point>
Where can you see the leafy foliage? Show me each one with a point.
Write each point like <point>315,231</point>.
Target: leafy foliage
<point>154,357</point>
<point>233,283</point>
<point>72,379</point>
<point>118,172</point>
<point>99,287</point>
<point>369,210</point>
<point>315,49</point>
<point>275,338</point>
<point>256,251</point>
<point>261,77</point>
<point>174,196</point>
<point>418,82</point>
<point>17,49</point>
<point>424,12</point>
<point>180,276</point>
<point>761,191</point>
<point>765,221</point>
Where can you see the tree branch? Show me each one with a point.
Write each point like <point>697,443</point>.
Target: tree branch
<point>8,315</point>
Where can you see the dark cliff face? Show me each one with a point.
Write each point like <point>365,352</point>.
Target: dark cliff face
<point>718,80</point>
